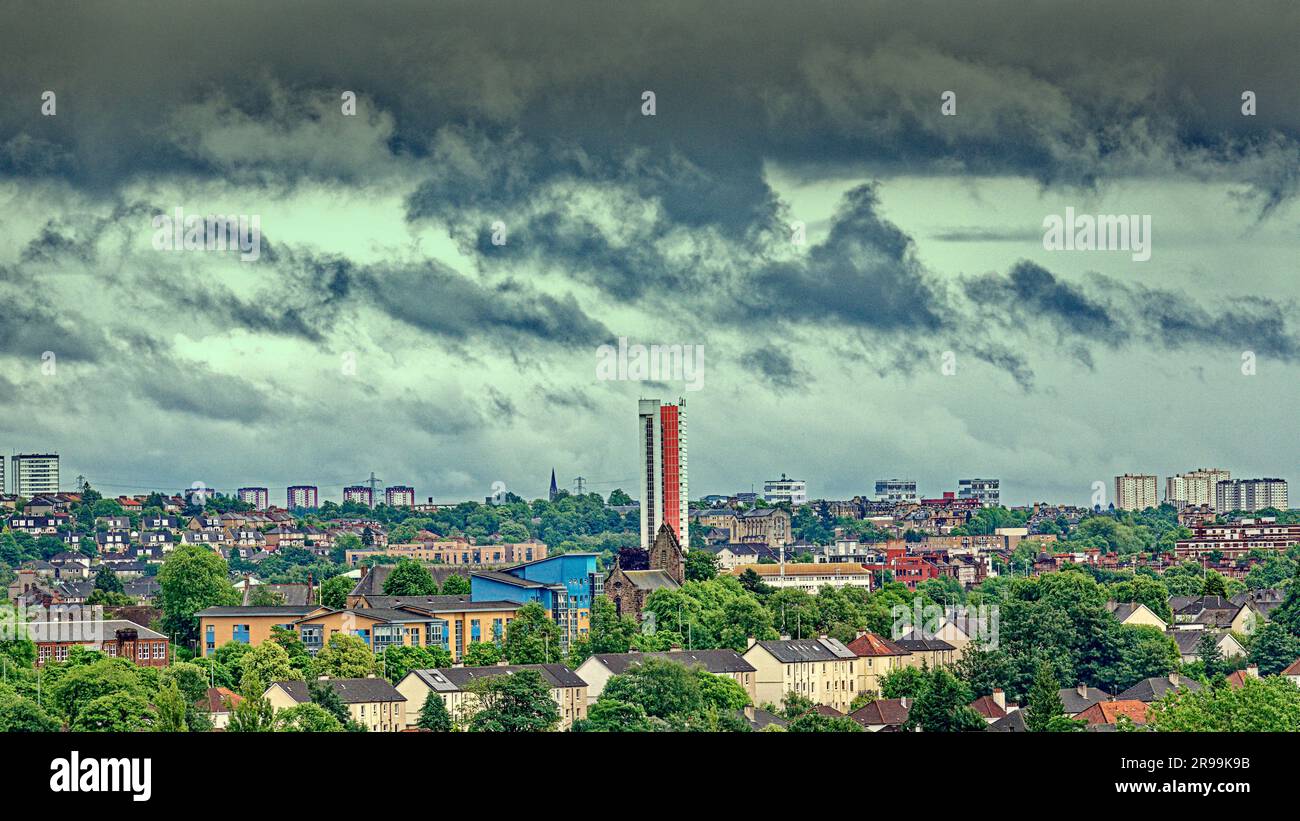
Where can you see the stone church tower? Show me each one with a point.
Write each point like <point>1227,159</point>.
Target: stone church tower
<point>629,589</point>
<point>666,554</point>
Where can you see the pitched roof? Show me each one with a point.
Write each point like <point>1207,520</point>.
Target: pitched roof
<point>914,642</point>
<point>1293,669</point>
<point>214,701</point>
<point>87,631</point>
<point>790,651</point>
<point>1153,689</point>
<point>1075,702</point>
<point>451,679</point>
<point>987,707</point>
<point>1109,712</point>
<point>762,718</point>
<point>714,661</point>
<point>882,712</point>
<point>350,690</point>
<point>506,578</point>
<point>1012,722</point>
<point>869,644</point>
<point>651,579</point>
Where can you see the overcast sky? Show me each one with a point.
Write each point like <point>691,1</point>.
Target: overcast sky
<point>475,363</point>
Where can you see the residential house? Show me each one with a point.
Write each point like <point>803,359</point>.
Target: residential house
<point>218,703</point>
<point>1075,700</point>
<point>822,670</point>
<point>925,651</point>
<point>598,669</point>
<point>1189,642</point>
<point>1135,613</point>
<point>1155,688</point>
<point>372,702</point>
<point>993,707</point>
<point>452,685</point>
<point>876,657</point>
<point>1111,713</point>
<point>883,715</point>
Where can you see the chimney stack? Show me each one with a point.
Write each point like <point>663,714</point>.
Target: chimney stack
<point>1173,679</point>
<point>1082,690</point>
<point>1252,670</point>
<point>999,698</point>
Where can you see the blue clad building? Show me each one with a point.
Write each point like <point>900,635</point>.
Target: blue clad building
<point>564,585</point>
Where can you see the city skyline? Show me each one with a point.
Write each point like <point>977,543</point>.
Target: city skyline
<point>845,224</point>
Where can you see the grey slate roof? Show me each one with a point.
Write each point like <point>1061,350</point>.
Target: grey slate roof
<point>350,690</point>
<point>1012,722</point>
<point>714,661</point>
<point>651,579</point>
<point>1074,702</point>
<point>1153,689</point>
<point>790,651</point>
<point>452,679</point>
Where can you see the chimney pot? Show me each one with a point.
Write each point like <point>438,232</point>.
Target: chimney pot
<point>1174,679</point>
<point>1082,690</point>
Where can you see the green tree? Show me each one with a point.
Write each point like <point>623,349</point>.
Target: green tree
<point>345,656</point>
<point>1044,707</point>
<point>409,578</point>
<point>663,689</point>
<point>398,660</point>
<point>1269,705</point>
<point>943,706</point>
<point>814,722</point>
<point>253,713</point>
<point>481,654</point>
<point>518,703</point>
<point>106,580</point>
<point>434,715</point>
<point>1273,648</point>
<point>701,565</point>
<point>609,715</point>
<point>122,712</point>
<point>307,718</point>
<point>1207,652</point>
<point>334,592</point>
<point>456,585</point>
<point>531,637</point>
<point>23,715</point>
<point>269,662</point>
<point>171,709</point>
<point>191,578</point>
<point>609,632</point>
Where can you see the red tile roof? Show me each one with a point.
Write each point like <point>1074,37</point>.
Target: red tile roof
<point>1293,670</point>
<point>987,707</point>
<point>882,711</point>
<point>1108,712</point>
<point>869,644</point>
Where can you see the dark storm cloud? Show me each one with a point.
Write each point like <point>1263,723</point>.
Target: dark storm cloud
<point>775,367</point>
<point>30,325</point>
<point>1101,310</point>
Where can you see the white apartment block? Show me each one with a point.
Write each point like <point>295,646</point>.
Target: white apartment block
<point>1194,488</point>
<point>987,491</point>
<point>258,497</point>
<point>1250,495</point>
<point>301,496</point>
<point>34,474</point>
<point>1135,491</point>
<point>794,491</point>
<point>896,490</point>
<point>399,496</point>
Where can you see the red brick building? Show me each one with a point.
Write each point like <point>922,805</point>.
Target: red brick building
<point>115,638</point>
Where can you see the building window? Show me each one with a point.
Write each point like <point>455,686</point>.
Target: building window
<point>239,633</point>
<point>210,642</point>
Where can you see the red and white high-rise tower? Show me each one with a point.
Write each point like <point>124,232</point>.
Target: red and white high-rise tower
<point>663,470</point>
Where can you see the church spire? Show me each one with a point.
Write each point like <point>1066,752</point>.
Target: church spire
<point>555,491</point>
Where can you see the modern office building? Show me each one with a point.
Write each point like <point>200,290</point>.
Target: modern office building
<point>258,497</point>
<point>663,469</point>
<point>987,491</point>
<point>564,585</point>
<point>399,496</point>
<point>1135,491</point>
<point>794,491</point>
<point>34,474</point>
<point>361,494</point>
<point>1250,495</point>
<point>1194,488</point>
<point>896,490</point>
<point>301,496</point>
